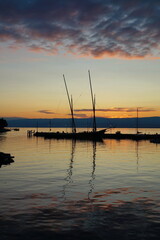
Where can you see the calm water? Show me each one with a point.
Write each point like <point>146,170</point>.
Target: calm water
<point>62,189</point>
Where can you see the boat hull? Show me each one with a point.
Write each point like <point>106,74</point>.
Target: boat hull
<point>93,135</point>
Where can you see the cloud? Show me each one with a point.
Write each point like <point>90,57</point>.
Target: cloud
<point>97,28</point>
<point>140,109</point>
<point>46,112</point>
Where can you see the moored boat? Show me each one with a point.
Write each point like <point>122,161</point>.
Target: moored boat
<point>85,135</point>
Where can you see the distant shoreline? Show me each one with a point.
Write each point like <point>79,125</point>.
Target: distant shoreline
<point>145,122</point>
<point>83,127</point>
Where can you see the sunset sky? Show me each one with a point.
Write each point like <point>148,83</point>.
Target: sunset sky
<point>118,41</point>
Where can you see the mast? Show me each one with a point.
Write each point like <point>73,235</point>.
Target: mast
<point>93,104</point>
<point>37,126</point>
<point>137,122</point>
<point>70,100</point>
<point>50,125</point>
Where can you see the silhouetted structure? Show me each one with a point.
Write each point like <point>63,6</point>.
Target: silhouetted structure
<point>86,135</point>
<point>119,136</point>
<point>5,158</point>
<point>3,123</point>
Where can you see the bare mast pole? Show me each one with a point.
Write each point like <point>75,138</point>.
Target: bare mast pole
<point>137,121</point>
<point>73,121</point>
<point>71,106</point>
<point>93,104</point>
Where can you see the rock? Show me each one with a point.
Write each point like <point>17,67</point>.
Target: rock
<point>5,158</point>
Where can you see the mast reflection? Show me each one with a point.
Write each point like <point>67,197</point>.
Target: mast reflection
<point>137,154</point>
<point>68,179</point>
<point>91,181</point>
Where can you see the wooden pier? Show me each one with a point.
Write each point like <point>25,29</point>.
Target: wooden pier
<point>120,136</point>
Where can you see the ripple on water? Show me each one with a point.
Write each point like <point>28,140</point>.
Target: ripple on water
<point>79,190</point>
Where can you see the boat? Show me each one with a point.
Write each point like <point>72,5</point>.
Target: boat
<point>85,135</point>
<point>15,129</point>
<point>153,138</point>
<point>137,124</point>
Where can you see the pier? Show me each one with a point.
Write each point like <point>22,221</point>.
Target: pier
<point>120,136</point>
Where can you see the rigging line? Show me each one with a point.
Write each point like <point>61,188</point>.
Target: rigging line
<point>71,106</point>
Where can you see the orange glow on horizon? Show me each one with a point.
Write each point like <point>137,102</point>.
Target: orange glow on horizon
<point>119,114</point>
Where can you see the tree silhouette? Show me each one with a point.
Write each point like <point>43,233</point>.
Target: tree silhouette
<point>3,123</point>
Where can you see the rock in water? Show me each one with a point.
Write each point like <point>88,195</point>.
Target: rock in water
<point>5,158</point>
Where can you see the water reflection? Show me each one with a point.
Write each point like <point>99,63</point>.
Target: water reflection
<point>2,137</point>
<point>134,219</point>
<point>69,171</point>
<point>113,202</point>
<point>91,181</point>
<point>137,154</point>
<point>68,179</point>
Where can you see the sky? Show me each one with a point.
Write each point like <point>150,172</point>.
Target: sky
<point>117,40</point>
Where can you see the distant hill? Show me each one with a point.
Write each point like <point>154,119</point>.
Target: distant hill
<point>146,122</point>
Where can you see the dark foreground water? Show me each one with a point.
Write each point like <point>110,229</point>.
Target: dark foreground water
<point>62,189</point>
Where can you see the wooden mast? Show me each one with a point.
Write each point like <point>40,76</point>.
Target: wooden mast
<point>70,100</point>
<point>37,125</point>
<point>93,104</point>
<point>137,122</point>
<point>50,125</point>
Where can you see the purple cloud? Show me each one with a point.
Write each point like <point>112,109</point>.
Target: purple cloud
<point>46,112</point>
<point>97,28</point>
<point>117,110</point>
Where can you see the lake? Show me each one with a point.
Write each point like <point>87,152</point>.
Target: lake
<point>64,189</point>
